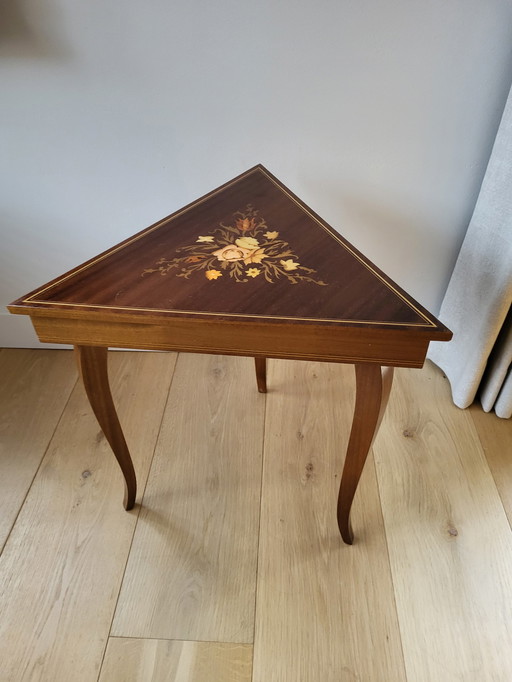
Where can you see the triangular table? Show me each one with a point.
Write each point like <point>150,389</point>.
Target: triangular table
<point>249,270</point>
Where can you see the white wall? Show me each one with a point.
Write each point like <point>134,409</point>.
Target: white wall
<point>379,113</point>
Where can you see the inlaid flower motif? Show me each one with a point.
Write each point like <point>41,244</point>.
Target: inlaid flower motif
<point>232,253</point>
<point>255,256</point>
<point>245,248</point>
<point>232,249</point>
<point>245,224</point>
<point>289,265</point>
<point>247,242</point>
<point>213,274</point>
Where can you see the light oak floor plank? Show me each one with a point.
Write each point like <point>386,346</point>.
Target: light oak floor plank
<point>150,660</point>
<point>34,389</point>
<point>192,568</point>
<point>325,611</point>
<point>61,569</point>
<point>495,435</point>
<point>449,540</point>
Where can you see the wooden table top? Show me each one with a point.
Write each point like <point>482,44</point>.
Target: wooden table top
<point>249,250</point>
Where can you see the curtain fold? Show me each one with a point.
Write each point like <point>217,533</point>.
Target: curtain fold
<point>478,300</point>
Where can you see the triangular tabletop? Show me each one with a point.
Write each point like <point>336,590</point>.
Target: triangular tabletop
<point>249,250</point>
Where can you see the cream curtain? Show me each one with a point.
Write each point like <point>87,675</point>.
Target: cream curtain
<point>477,304</point>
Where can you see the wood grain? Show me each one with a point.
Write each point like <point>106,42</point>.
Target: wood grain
<point>62,565</point>
<point>161,270</point>
<point>261,374</point>
<point>322,608</point>
<point>184,284</point>
<point>449,540</point>
<point>149,660</point>
<point>373,385</point>
<point>495,436</point>
<point>92,363</point>
<point>192,568</point>
<point>389,347</point>
<point>34,390</point>
<point>325,611</point>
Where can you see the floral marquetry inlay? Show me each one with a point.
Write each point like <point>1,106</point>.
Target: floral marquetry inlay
<point>244,250</point>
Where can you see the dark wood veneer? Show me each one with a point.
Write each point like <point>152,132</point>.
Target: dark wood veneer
<point>356,291</point>
<point>248,269</point>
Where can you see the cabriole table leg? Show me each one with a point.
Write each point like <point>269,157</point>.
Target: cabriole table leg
<point>373,386</point>
<point>92,365</point>
<point>261,374</point>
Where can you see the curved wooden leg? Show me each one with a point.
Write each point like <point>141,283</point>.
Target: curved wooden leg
<point>261,374</point>
<point>92,365</point>
<point>373,386</point>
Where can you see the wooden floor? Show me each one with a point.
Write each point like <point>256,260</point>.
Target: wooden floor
<point>232,568</point>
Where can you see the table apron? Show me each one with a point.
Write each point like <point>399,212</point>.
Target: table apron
<point>378,345</point>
